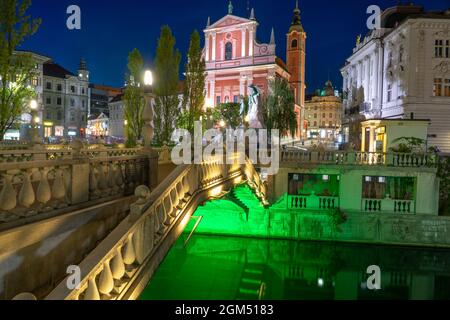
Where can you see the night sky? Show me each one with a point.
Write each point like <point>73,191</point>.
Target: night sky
<point>112,28</point>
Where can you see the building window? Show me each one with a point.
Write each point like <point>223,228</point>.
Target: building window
<point>72,89</point>
<point>83,103</point>
<point>59,115</point>
<point>34,82</point>
<point>236,99</point>
<point>389,93</point>
<point>439,48</point>
<point>48,86</point>
<point>315,115</point>
<point>59,87</point>
<point>48,115</point>
<point>447,88</point>
<point>315,123</point>
<point>227,99</point>
<point>294,43</point>
<point>331,116</point>
<point>82,90</point>
<point>228,51</point>
<point>396,188</point>
<point>218,100</point>
<point>72,102</point>
<point>437,91</point>
<point>331,124</point>
<point>72,116</point>
<point>48,100</point>
<point>59,101</point>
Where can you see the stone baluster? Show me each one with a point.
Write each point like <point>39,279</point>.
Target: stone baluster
<point>44,193</point>
<point>119,176</point>
<point>58,189</point>
<point>27,196</point>
<point>102,183</point>
<point>106,281</point>
<point>8,196</point>
<point>129,254</point>
<point>117,265</point>
<point>111,176</point>
<point>92,292</point>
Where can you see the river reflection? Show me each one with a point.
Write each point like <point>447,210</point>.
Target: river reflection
<point>228,268</point>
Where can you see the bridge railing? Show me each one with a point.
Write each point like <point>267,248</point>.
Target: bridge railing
<point>109,271</point>
<point>390,159</point>
<point>42,180</point>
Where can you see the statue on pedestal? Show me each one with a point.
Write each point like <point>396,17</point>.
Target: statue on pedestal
<point>254,112</point>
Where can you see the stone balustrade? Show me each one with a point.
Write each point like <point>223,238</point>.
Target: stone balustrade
<point>388,205</point>
<point>45,179</point>
<point>312,202</point>
<point>390,159</point>
<point>111,270</point>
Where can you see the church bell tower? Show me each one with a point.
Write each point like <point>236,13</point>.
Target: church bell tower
<point>295,60</point>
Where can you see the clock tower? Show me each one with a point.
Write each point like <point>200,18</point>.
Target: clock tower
<point>295,60</point>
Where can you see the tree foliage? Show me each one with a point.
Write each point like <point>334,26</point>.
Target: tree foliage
<point>279,108</point>
<point>229,113</point>
<point>194,84</point>
<point>167,65</point>
<point>134,98</point>
<point>17,69</point>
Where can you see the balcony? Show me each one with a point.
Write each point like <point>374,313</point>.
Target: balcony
<point>388,206</point>
<point>313,202</point>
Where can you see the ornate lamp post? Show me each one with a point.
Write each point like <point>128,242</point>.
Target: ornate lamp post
<point>35,120</point>
<point>148,116</point>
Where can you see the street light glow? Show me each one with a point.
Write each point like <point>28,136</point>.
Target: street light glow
<point>33,104</point>
<point>37,119</point>
<point>148,78</point>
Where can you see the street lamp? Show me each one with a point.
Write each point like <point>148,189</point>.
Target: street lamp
<point>34,131</point>
<point>148,116</point>
<point>148,78</point>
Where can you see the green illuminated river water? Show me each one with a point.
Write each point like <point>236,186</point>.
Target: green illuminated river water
<point>205,267</point>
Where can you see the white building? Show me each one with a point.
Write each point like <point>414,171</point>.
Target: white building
<point>402,71</point>
<point>66,101</point>
<point>117,117</point>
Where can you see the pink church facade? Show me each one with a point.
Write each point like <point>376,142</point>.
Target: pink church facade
<point>235,60</point>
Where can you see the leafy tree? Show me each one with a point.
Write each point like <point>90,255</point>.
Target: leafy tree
<point>279,108</point>
<point>228,112</point>
<point>194,85</point>
<point>167,65</point>
<point>134,98</point>
<point>17,69</point>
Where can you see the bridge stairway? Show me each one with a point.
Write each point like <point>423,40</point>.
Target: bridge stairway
<point>246,196</point>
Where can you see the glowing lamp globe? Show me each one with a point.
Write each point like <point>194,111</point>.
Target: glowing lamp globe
<point>148,78</point>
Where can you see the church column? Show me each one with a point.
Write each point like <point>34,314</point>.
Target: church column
<point>250,43</point>
<point>242,86</point>
<point>207,47</point>
<point>214,47</point>
<point>244,49</point>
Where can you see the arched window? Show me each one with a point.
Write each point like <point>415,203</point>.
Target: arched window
<point>294,43</point>
<point>228,51</point>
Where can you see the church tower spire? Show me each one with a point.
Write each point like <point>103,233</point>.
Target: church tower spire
<point>295,62</point>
